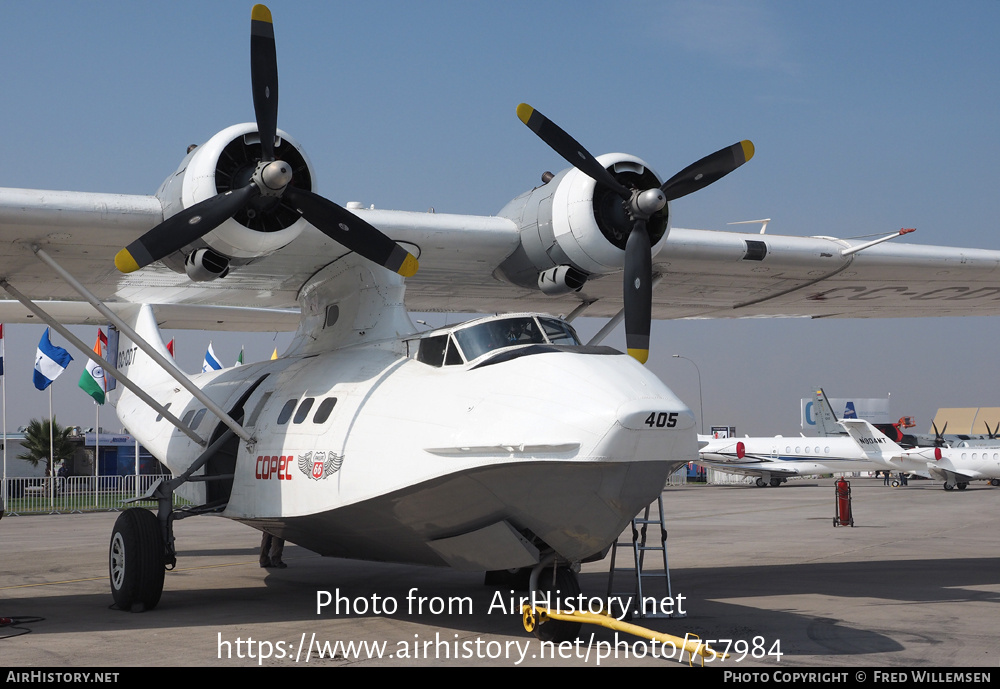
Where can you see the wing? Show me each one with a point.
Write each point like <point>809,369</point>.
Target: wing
<point>703,273</point>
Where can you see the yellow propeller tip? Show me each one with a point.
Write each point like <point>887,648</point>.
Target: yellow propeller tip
<point>125,263</point>
<point>260,13</point>
<point>748,149</point>
<point>524,112</point>
<point>639,355</point>
<point>409,267</point>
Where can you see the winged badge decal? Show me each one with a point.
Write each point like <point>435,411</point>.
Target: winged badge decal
<point>319,465</point>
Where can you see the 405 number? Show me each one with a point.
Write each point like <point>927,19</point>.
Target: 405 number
<point>661,419</point>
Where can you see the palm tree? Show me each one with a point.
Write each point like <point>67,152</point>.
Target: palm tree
<point>36,443</point>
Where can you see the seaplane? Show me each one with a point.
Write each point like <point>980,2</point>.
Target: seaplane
<point>500,443</point>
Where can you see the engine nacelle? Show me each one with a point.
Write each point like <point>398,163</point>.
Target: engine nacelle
<point>573,224</point>
<point>224,162</point>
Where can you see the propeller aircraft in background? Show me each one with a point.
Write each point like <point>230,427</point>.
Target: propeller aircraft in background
<point>500,443</point>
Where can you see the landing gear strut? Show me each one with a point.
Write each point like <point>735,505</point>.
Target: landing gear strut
<point>551,583</point>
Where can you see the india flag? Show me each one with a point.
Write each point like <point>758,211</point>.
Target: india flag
<point>92,380</point>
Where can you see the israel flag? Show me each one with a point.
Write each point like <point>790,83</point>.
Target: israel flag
<point>50,362</point>
<point>211,362</point>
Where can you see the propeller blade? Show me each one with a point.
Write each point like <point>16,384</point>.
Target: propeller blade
<point>264,78</point>
<point>183,228</point>
<point>569,148</point>
<point>638,292</point>
<point>342,226</point>
<point>709,169</point>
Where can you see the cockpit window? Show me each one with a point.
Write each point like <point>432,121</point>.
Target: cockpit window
<point>431,350</point>
<point>485,337</point>
<point>558,332</point>
<point>465,344</point>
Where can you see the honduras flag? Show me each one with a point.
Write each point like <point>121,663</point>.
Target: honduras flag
<point>211,362</point>
<point>50,362</point>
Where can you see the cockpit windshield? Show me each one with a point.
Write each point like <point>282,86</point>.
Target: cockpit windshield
<point>486,336</point>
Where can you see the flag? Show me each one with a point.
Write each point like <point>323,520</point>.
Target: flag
<point>275,355</point>
<point>50,362</point>
<point>92,380</point>
<point>211,362</point>
<point>239,359</point>
<point>170,348</point>
<point>1,349</point>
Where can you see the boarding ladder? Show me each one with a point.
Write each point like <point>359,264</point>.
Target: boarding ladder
<point>639,548</point>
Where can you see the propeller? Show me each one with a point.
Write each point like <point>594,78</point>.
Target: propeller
<point>640,205</point>
<point>939,440</point>
<point>270,183</point>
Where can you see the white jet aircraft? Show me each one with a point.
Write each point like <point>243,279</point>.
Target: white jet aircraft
<point>773,460</point>
<point>956,466</point>
<point>496,444</point>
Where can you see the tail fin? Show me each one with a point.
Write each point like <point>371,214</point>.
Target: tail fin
<point>131,360</point>
<point>826,419</point>
<point>871,440</point>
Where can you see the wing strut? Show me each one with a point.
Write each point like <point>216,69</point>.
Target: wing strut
<point>617,318</point>
<point>104,363</point>
<point>174,373</point>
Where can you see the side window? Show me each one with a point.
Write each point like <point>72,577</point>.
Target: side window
<point>303,411</point>
<point>197,418</point>
<point>286,412</point>
<point>453,358</point>
<point>325,408</point>
<point>188,415</point>
<point>431,350</point>
<point>159,417</point>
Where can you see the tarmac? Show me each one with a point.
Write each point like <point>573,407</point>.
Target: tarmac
<point>911,585</point>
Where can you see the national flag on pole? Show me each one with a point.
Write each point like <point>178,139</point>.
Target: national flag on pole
<point>239,359</point>
<point>92,380</point>
<point>211,362</point>
<point>50,362</point>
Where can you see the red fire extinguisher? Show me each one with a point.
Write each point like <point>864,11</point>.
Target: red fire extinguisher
<point>843,515</point>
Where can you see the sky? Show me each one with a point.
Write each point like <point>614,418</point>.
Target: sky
<point>866,117</point>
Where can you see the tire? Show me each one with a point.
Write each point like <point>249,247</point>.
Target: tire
<point>567,586</point>
<point>760,482</point>
<point>775,482</point>
<point>948,486</point>
<point>135,560</point>
<point>995,482</point>
<point>962,486</point>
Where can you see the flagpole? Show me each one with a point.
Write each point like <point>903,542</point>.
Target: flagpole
<point>3,394</point>
<point>97,450</point>
<point>52,464</point>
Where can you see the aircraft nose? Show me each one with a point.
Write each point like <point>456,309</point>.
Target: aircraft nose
<point>655,413</point>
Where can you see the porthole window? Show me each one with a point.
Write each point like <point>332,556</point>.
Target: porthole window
<point>197,418</point>
<point>325,408</point>
<point>286,412</point>
<point>303,411</point>
<point>159,417</point>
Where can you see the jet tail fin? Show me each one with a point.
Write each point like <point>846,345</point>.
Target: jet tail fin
<point>826,418</point>
<point>871,440</point>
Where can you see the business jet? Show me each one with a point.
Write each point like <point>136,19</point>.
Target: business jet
<point>956,467</point>
<point>501,443</point>
<point>772,461</point>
